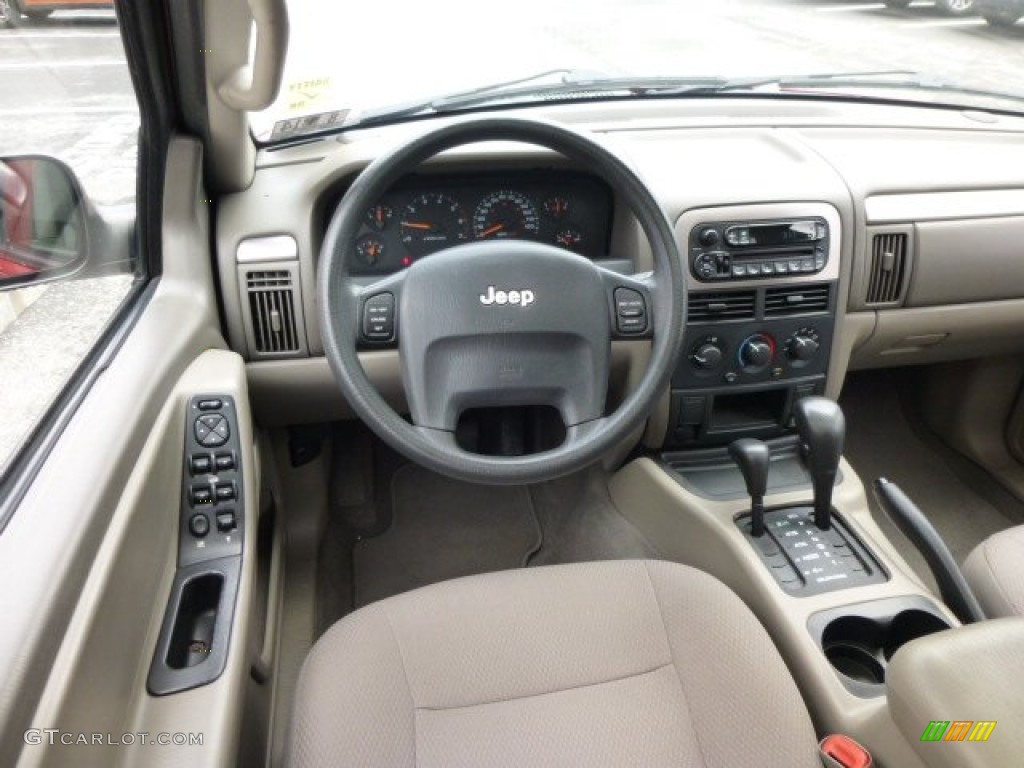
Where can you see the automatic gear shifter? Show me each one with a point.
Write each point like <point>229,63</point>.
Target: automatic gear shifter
<point>822,429</point>
<point>752,457</point>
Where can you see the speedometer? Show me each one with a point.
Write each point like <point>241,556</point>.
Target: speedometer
<point>505,214</point>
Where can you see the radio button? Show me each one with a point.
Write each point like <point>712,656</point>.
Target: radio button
<point>807,265</point>
<point>739,270</point>
<point>781,268</point>
<point>794,266</point>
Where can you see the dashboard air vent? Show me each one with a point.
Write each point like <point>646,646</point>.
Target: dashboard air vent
<point>736,305</point>
<point>888,268</point>
<point>272,308</point>
<point>796,300</point>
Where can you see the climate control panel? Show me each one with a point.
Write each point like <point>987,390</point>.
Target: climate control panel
<point>746,354</point>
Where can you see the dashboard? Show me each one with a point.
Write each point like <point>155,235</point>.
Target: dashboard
<point>424,214</point>
<point>924,213</point>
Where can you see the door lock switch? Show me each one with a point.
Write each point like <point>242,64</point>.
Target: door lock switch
<point>226,521</point>
<point>199,525</point>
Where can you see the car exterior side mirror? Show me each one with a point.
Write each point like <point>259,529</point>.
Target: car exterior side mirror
<point>43,221</point>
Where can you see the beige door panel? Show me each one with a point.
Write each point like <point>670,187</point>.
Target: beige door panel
<point>98,684</point>
<point>92,537</point>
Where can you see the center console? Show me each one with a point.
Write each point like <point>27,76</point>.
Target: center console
<point>761,320</point>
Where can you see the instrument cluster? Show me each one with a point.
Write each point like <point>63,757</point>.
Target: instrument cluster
<point>422,215</point>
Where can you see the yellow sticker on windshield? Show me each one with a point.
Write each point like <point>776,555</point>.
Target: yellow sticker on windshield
<point>308,95</point>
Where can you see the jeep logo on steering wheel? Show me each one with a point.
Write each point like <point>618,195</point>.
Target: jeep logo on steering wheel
<point>492,296</point>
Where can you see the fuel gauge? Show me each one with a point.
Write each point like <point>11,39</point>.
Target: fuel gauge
<point>369,249</point>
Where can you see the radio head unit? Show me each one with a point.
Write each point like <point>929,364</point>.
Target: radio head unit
<point>741,250</point>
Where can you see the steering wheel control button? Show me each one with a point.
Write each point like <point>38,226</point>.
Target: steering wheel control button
<point>200,464</point>
<point>379,317</point>
<point>212,430</point>
<point>212,404</point>
<point>226,492</point>
<point>199,525</point>
<point>224,462</point>
<point>200,494</point>
<point>630,311</point>
<point>226,520</point>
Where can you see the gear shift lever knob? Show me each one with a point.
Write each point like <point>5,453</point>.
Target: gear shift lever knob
<point>752,457</point>
<point>822,429</point>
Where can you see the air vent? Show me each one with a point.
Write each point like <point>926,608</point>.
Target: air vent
<point>272,308</point>
<point>737,305</point>
<point>796,300</point>
<point>888,268</point>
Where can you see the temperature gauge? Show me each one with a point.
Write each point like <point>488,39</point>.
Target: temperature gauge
<point>369,249</point>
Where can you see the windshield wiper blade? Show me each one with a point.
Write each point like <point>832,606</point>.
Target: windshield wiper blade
<point>418,106</point>
<point>881,79</point>
<point>573,83</point>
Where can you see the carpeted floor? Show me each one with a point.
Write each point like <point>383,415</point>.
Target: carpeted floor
<point>886,439</point>
<point>443,529</point>
<point>394,526</point>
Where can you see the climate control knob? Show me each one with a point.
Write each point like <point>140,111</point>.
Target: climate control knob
<point>756,353</point>
<point>707,355</point>
<point>803,346</point>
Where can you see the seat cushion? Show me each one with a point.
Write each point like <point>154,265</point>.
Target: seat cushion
<point>604,664</point>
<point>995,571</point>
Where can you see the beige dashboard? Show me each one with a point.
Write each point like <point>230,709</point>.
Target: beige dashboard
<point>927,205</point>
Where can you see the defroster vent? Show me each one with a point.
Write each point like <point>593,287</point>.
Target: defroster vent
<point>733,305</point>
<point>888,268</point>
<point>272,308</point>
<point>796,300</point>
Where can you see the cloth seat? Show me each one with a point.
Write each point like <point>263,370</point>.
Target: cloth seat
<point>627,663</point>
<point>995,571</point>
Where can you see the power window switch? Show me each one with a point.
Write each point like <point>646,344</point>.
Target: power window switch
<point>199,464</point>
<point>224,462</point>
<point>200,494</point>
<point>226,492</point>
<point>226,521</point>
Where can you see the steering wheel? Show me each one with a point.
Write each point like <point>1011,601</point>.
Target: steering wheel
<point>501,323</point>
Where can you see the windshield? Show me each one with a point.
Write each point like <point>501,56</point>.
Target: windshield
<point>384,60</point>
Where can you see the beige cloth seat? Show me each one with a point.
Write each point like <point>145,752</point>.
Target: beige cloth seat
<point>995,571</point>
<point>629,663</point>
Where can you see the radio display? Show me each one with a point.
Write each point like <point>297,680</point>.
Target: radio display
<point>769,235</point>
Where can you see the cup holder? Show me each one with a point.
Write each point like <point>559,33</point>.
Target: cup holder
<point>859,640</point>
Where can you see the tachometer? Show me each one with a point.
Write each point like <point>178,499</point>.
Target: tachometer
<point>505,214</point>
<point>432,221</point>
